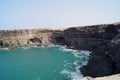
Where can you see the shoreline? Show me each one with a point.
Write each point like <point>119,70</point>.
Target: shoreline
<point>73,75</point>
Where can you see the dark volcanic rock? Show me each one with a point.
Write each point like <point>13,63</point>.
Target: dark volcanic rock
<point>98,66</point>
<point>104,41</point>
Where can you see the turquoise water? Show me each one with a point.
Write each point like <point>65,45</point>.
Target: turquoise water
<point>46,63</point>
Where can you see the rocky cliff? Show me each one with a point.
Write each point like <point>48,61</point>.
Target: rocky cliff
<point>26,37</point>
<point>103,40</point>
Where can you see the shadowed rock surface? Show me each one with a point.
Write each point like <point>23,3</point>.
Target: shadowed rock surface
<point>104,41</point>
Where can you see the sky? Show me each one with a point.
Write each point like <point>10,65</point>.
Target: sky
<point>19,14</point>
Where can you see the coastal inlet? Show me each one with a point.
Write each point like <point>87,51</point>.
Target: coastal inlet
<point>42,63</point>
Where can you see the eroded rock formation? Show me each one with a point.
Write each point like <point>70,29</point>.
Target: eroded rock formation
<point>19,38</point>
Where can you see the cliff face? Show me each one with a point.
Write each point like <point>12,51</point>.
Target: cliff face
<point>20,38</point>
<point>102,40</point>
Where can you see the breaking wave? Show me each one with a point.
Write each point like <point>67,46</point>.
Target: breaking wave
<point>73,70</point>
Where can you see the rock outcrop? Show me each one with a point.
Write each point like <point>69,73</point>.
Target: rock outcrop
<point>102,40</point>
<point>20,38</point>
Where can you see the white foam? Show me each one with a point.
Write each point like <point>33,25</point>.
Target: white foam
<point>64,48</point>
<point>42,46</point>
<point>25,48</point>
<point>72,75</point>
<point>52,45</point>
<point>83,60</point>
<point>65,72</point>
<point>84,63</point>
<point>75,76</point>
<point>78,63</point>
<point>85,52</point>
<point>77,55</point>
<point>67,64</point>
<point>4,49</point>
<point>35,46</point>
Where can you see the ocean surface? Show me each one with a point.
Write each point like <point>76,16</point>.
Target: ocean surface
<point>45,63</point>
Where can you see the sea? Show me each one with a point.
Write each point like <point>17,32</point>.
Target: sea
<point>42,63</point>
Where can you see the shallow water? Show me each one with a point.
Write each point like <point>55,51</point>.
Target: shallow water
<point>46,63</point>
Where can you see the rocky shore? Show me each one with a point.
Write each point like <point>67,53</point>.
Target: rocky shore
<point>103,40</point>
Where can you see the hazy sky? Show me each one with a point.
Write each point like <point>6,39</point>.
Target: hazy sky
<point>57,13</point>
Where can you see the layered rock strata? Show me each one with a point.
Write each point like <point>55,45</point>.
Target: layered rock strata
<point>26,37</point>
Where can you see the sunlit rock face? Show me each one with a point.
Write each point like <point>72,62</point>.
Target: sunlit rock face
<point>16,38</point>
